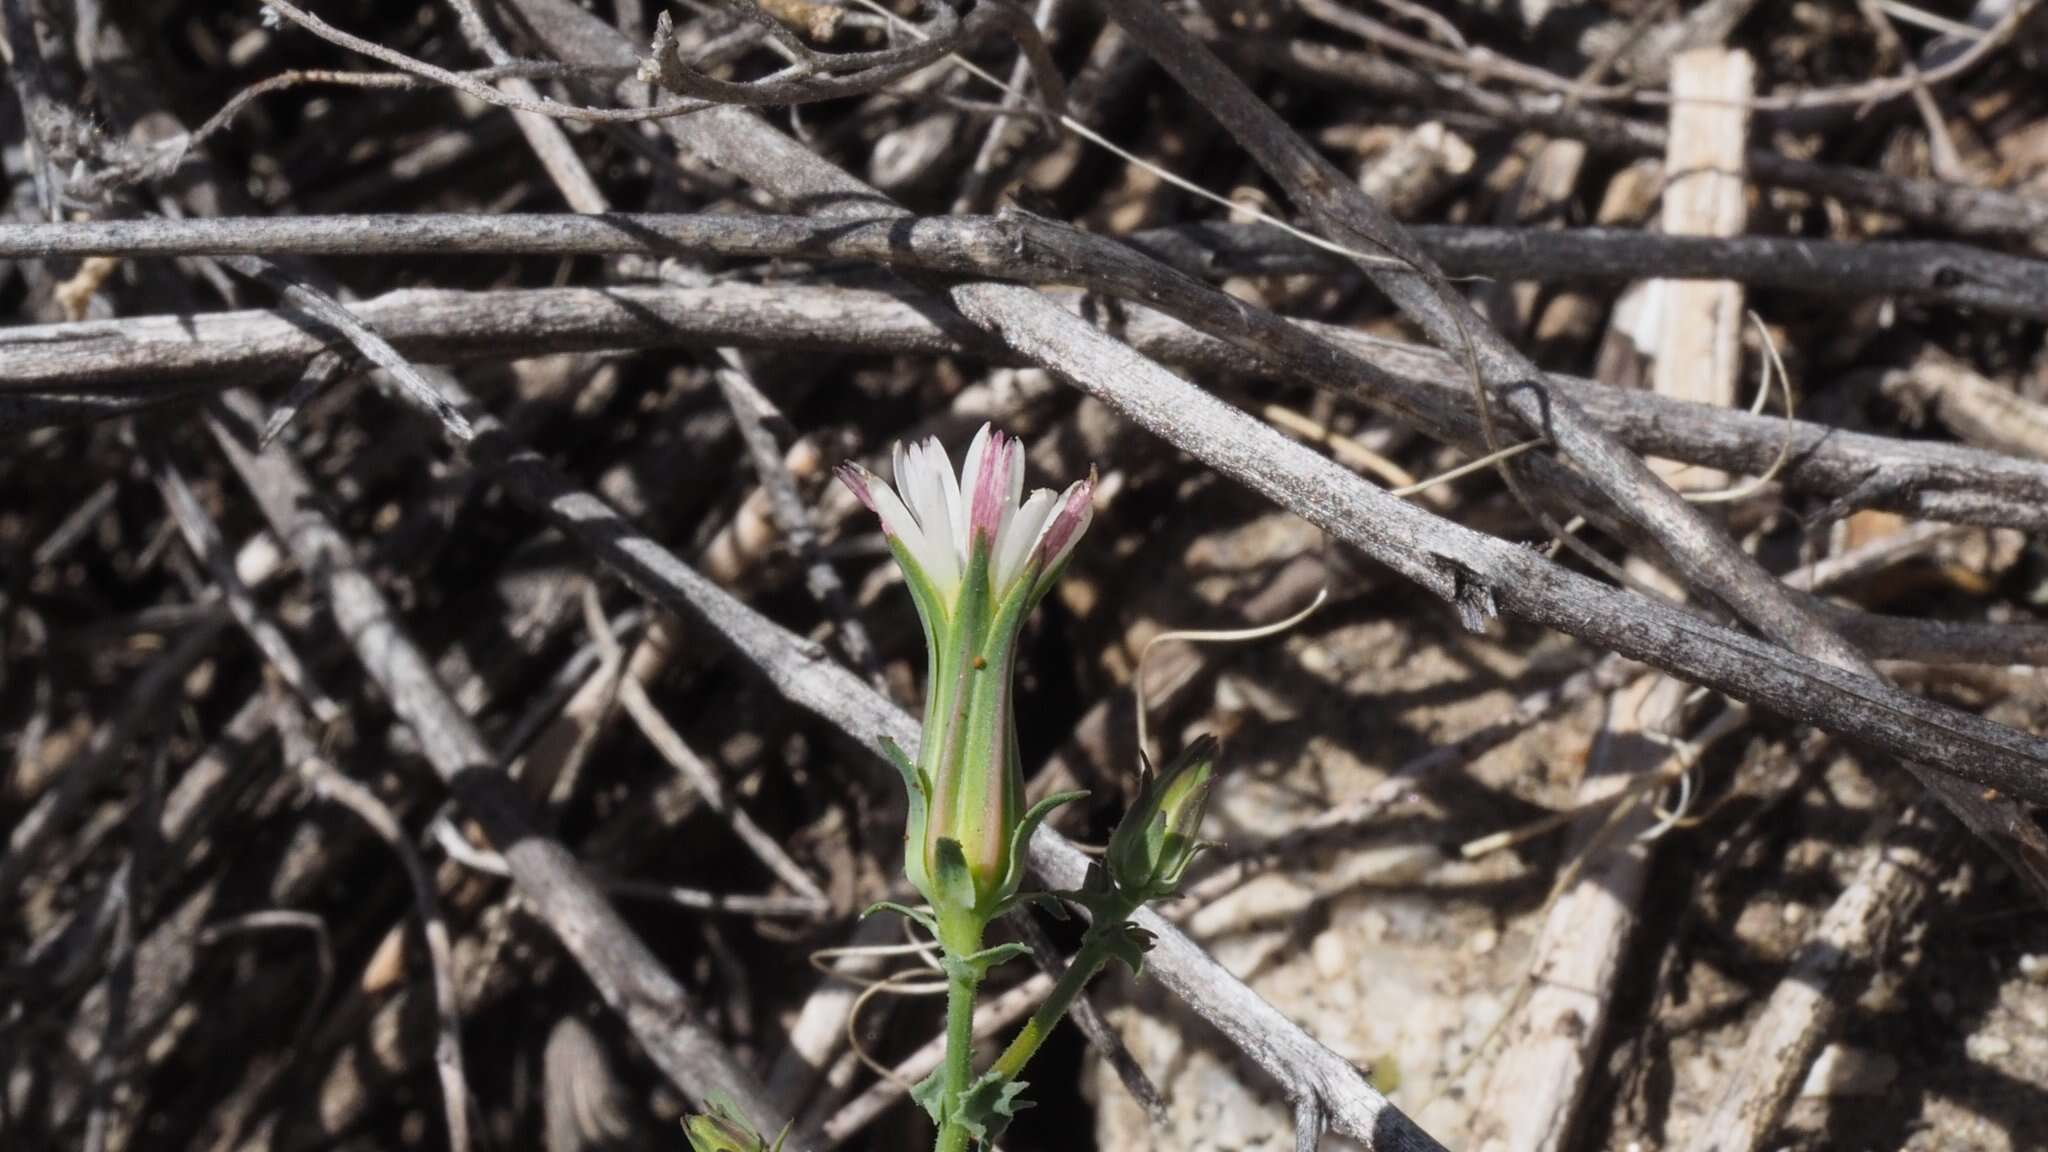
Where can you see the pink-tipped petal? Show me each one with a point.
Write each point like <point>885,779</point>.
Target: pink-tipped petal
<point>899,525</point>
<point>991,489</point>
<point>1064,530</point>
<point>897,522</point>
<point>1013,492</point>
<point>970,473</point>
<point>857,480</point>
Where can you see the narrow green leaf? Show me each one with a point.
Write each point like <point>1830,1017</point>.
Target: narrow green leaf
<point>917,916</point>
<point>1020,837</point>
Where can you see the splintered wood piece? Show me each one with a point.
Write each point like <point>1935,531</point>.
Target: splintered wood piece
<point>1699,326</point>
<point>1533,1093</point>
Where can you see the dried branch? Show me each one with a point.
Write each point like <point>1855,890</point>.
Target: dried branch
<point>543,134</point>
<point>1976,409</point>
<point>317,305</point>
<point>1467,570</point>
<point>327,782</point>
<point>1946,161</point>
<point>696,899</point>
<point>1008,132</point>
<point>1936,271</point>
<point>1948,273</point>
<point>69,949</point>
<point>626,974</point>
<point>76,524</point>
<point>143,707</point>
<point>667,741</point>
<point>1896,874</point>
<point>178,148</point>
<point>748,407</point>
<point>1487,64</point>
<point>1956,208</point>
<point>204,539</point>
<point>799,84</point>
<point>1706,558</point>
<point>1703,552</point>
<point>85,370</point>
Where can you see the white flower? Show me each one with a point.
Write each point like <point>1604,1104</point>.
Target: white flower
<point>976,558</point>
<point>938,518</point>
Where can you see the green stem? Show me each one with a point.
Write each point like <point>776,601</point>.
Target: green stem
<point>959,1056</point>
<point>1087,962</point>
<point>960,935</point>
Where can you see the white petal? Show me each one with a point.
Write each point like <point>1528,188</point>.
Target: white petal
<point>956,508</point>
<point>911,483</point>
<point>969,469</point>
<point>908,468</point>
<point>902,465</point>
<point>927,498</point>
<point>898,522</point>
<point>1022,536</point>
<point>913,464</point>
<point>1016,472</point>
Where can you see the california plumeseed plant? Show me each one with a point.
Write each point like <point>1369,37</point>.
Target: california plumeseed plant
<point>978,556</point>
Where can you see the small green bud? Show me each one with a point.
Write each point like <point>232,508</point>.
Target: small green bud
<point>723,1129</point>
<point>1161,834</point>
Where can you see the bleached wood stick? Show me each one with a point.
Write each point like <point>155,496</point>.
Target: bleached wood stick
<point>1532,1097</point>
<point>1699,326</point>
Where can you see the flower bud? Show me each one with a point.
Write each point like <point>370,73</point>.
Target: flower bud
<point>724,1130</point>
<point>1161,833</point>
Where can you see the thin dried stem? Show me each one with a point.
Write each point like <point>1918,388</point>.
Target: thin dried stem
<point>329,783</point>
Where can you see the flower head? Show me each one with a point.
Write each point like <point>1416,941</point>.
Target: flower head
<point>935,520</point>
<point>977,556</point>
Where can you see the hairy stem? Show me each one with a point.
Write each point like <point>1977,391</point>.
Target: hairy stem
<point>960,936</point>
<point>959,1073</point>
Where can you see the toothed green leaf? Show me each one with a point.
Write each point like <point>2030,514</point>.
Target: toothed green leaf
<point>930,1094</point>
<point>1129,943</point>
<point>988,1106</point>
